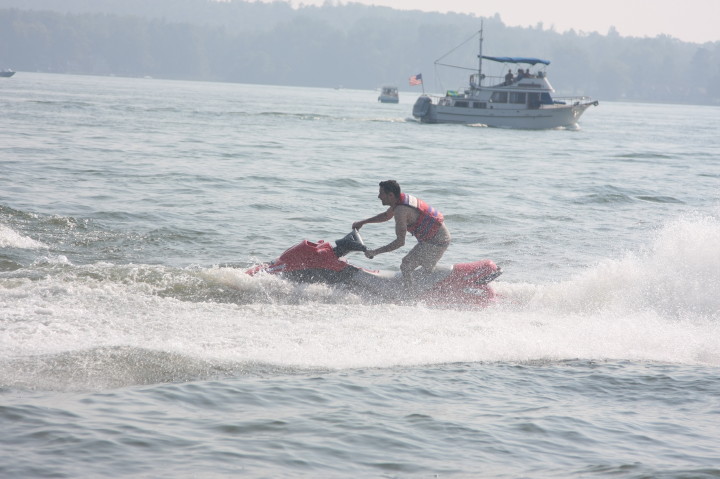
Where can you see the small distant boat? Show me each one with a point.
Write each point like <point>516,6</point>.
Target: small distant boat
<point>389,94</point>
<point>6,73</point>
<point>522,101</point>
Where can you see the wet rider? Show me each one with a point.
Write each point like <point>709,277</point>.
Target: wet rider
<point>417,217</point>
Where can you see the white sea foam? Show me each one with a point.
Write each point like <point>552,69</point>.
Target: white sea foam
<point>677,276</point>
<point>10,238</point>
<point>660,303</point>
<point>655,304</point>
<point>635,308</point>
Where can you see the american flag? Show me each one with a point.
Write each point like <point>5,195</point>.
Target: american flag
<point>416,79</point>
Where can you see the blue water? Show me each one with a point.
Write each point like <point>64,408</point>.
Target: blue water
<point>132,343</point>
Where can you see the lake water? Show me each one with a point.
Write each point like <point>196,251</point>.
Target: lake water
<point>132,343</point>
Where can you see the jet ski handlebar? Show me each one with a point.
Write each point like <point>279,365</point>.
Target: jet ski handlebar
<point>350,242</point>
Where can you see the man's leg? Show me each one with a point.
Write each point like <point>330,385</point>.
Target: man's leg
<point>431,255</point>
<point>423,255</point>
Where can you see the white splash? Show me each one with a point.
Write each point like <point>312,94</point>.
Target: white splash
<point>659,304</point>
<point>10,238</point>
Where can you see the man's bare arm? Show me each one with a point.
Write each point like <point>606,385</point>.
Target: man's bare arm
<point>400,233</point>
<point>379,218</point>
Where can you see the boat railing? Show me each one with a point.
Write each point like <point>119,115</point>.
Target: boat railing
<point>499,81</point>
<point>486,81</point>
<point>572,100</point>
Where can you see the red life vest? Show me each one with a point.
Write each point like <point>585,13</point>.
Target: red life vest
<point>429,220</point>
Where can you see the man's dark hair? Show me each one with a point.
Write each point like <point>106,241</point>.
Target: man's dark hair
<point>391,186</point>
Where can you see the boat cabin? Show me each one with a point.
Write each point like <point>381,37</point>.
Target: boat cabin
<point>389,94</point>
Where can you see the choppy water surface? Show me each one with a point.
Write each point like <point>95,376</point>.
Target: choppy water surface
<point>132,343</point>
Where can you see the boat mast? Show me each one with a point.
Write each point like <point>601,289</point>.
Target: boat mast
<point>480,55</point>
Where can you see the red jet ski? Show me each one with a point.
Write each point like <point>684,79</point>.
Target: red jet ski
<point>463,284</point>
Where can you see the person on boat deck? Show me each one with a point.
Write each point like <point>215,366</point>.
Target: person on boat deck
<point>509,77</point>
<point>420,219</point>
<point>520,74</point>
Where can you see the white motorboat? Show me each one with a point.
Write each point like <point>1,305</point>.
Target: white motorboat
<point>523,100</point>
<point>389,94</point>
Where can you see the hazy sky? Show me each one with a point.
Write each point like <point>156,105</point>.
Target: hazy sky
<point>688,20</point>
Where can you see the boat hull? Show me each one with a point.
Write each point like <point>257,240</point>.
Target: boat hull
<point>389,94</point>
<point>552,116</point>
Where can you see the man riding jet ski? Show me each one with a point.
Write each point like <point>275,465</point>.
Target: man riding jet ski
<point>417,217</point>
<point>460,285</point>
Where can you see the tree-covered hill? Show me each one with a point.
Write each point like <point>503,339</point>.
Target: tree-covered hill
<point>352,45</point>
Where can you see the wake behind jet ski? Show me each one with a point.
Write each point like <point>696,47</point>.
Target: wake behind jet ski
<point>462,284</point>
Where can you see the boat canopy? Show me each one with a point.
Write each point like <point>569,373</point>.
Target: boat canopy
<point>531,61</point>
